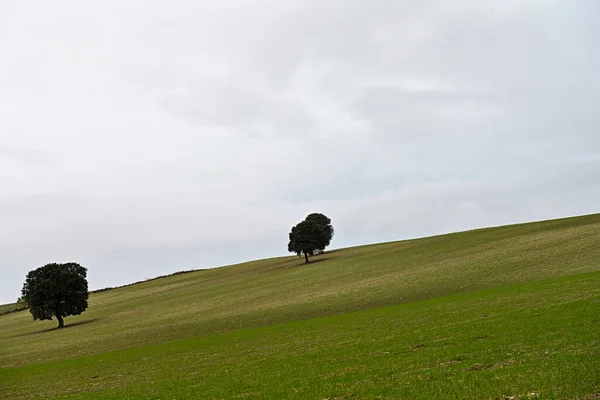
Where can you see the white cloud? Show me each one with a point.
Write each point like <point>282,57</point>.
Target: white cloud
<point>185,134</point>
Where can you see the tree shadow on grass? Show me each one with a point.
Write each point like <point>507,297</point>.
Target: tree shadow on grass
<point>313,260</point>
<point>317,260</point>
<point>89,321</point>
<point>325,256</point>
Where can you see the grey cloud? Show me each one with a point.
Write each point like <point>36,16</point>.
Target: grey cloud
<point>228,105</point>
<point>26,156</point>
<point>189,134</point>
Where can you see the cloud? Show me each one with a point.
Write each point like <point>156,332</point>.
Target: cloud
<point>142,141</point>
<point>25,156</point>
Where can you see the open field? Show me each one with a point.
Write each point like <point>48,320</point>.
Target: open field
<point>510,311</point>
<point>5,308</point>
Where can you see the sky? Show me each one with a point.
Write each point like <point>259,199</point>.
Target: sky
<point>141,138</point>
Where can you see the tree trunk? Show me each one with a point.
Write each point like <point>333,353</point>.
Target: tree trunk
<point>306,258</point>
<point>61,322</point>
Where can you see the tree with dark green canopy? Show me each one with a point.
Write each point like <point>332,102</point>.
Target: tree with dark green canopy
<point>311,235</point>
<point>57,290</point>
<point>325,223</point>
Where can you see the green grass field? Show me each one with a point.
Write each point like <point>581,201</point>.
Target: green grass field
<point>509,312</point>
<point>6,308</point>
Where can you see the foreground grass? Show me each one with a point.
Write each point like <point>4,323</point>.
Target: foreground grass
<point>282,290</point>
<point>536,340</point>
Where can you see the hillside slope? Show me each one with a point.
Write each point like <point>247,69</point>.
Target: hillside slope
<point>537,340</point>
<point>282,290</point>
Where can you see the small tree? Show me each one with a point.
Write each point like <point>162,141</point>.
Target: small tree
<point>56,290</point>
<point>325,223</point>
<point>310,235</point>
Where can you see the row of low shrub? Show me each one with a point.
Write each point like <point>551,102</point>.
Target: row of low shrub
<point>20,306</point>
<point>146,280</point>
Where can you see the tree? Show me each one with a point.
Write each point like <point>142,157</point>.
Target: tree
<point>310,235</point>
<point>325,223</point>
<point>56,290</point>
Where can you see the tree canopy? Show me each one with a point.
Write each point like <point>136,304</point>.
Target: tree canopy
<point>311,235</point>
<point>325,223</point>
<point>57,290</point>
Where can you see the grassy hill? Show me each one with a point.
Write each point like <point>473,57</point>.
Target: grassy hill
<point>7,308</point>
<point>508,311</point>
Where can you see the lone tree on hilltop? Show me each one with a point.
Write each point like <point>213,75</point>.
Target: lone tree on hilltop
<point>312,234</point>
<point>56,290</point>
<point>325,223</point>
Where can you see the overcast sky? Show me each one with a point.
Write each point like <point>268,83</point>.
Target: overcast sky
<point>140,138</point>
